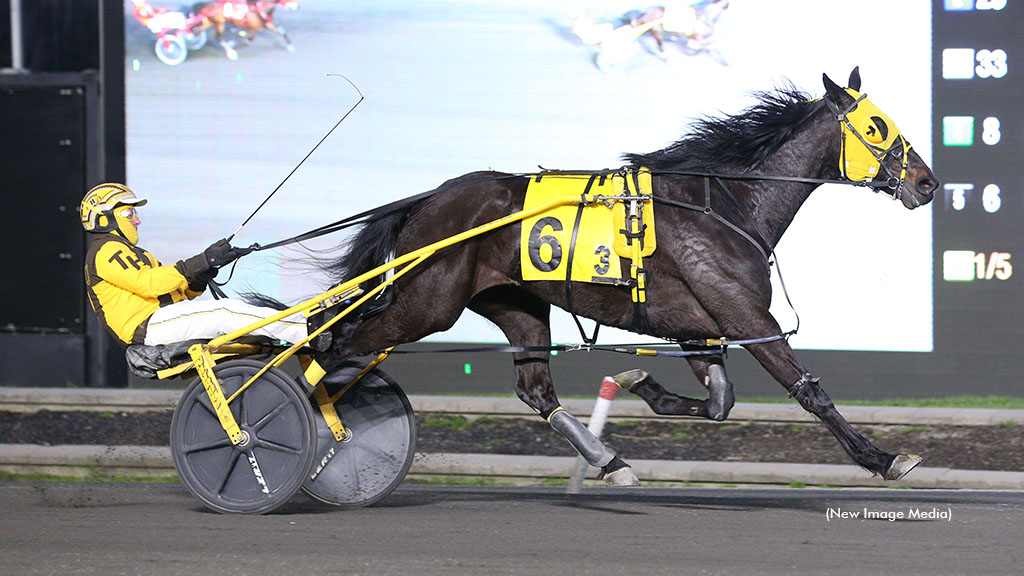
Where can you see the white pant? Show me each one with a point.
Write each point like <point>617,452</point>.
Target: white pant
<point>208,319</point>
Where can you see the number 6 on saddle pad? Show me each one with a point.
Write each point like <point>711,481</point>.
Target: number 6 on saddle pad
<point>594,230</point>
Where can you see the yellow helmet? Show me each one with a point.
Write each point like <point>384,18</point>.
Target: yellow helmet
<point>99,210</point>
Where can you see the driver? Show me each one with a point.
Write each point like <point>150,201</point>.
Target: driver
<point>140,301</point>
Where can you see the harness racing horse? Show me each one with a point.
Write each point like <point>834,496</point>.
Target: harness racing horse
<point>249,16</point>
<point>708,279</point>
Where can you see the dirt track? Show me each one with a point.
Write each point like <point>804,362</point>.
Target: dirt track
<point>960,447</point>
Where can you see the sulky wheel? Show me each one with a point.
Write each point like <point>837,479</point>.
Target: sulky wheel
<point>378,452</point>
<point>269,466</point>
<point>195,40</point>
<point>170,49</point>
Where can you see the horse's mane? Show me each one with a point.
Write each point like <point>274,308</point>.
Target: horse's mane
<point>739,142</point>
<point>735,142</point>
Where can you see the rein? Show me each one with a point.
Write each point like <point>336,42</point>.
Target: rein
<point>892,187</point>
<point>383,209</point>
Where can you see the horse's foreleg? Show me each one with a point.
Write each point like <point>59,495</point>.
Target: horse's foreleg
<point>779,360</point>
<point>524,320</point>
<point>279,30</point>
<point>229,47</point>
<point>710,370</point>
<point>659,37</point>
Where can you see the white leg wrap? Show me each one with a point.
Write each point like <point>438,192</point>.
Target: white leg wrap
<point>592,450</point>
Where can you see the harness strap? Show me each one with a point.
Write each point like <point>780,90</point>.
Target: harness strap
<point>753,223</point>
<point>707,209</point>
<point>635,231</point>
<point>568,268</point>
<point>716,350</point>
<point>762,245</point>
<point>707,347</point>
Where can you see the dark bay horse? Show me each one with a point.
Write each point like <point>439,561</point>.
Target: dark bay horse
<point>709,277</point>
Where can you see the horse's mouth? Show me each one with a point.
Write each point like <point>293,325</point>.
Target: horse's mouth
<point>919,195</point>
<point>911,201</point>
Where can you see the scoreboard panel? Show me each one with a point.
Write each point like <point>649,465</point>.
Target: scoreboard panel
<point>979,155</point>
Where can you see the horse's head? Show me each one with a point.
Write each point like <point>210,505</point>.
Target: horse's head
<point>872,149</point>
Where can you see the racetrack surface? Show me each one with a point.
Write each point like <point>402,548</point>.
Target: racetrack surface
<point>160,529</point>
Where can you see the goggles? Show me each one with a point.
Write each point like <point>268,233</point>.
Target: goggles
<point>126,212</point>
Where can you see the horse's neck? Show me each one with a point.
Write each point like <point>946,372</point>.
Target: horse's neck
<point>811,153</point>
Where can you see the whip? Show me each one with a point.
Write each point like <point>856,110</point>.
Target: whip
<point>271,195</point>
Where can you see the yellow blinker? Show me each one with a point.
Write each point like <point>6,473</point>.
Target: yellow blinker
<point>860,159</point>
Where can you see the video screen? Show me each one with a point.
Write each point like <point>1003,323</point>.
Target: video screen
<point>214,125</point>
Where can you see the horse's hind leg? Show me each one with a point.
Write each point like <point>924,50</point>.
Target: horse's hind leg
<point>524,320</point>
<point>709,369</point>
<point>779,360</point>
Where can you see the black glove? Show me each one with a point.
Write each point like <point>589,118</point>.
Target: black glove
<point>220,253</point>
<point>197,269</point>
<point>201,280</point>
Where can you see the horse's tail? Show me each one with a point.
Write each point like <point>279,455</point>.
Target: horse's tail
<point>372,246</point>
<point>257,299</point>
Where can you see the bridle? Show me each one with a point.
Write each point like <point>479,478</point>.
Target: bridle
<point>882,144</point>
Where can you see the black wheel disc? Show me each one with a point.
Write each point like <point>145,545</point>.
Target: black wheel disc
<point>378,453</point>
<point>267,469</point>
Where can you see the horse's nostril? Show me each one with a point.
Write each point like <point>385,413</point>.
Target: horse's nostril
<point>927,185</point>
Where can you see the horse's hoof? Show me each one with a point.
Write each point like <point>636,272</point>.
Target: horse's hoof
<point>290,48</point>
<point>622,477</point>
<point>902,464</point>
<point>232,54</point>
<point>629,379</point>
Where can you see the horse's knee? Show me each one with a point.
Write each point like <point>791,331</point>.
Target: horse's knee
<point>811,396</point>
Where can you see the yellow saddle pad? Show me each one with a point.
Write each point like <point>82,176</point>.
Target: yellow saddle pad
<point>600,226</point>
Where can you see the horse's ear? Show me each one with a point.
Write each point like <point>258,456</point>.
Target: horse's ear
<point>855,79</point>
<point>833,91</point>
